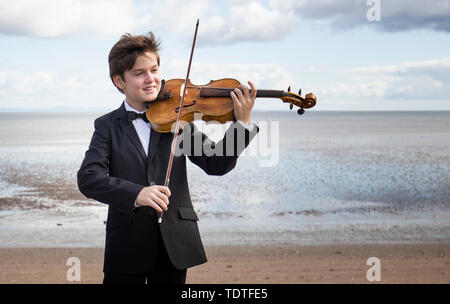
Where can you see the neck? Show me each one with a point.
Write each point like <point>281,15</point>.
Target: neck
<point>138,106</point>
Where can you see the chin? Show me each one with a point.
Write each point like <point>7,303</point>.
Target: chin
<point>151,97</point>
<point>148,97</point>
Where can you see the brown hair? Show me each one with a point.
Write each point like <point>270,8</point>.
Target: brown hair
<point>124,53</point>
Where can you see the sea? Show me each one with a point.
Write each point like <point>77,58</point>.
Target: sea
<point>315,179</point>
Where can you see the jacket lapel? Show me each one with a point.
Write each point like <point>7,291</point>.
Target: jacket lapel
<point>131,133</point>
<point>154,139</point>
<point>134,137</point>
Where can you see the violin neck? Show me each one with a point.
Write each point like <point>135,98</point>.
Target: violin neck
<point>225,92</point>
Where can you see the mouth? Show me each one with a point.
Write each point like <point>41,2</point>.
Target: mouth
<point>149,89</point>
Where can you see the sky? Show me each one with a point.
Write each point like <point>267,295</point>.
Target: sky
<point>354,55</point>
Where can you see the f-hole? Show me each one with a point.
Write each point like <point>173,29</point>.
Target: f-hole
<point>186,106</point>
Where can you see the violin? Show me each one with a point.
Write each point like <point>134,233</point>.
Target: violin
<point>212,101</point>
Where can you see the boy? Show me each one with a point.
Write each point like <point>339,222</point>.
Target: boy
<point>126,164</point>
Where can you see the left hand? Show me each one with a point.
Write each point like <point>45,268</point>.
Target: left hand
<point>243,101</point>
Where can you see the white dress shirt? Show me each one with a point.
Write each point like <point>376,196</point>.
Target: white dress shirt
<point>142,128</point>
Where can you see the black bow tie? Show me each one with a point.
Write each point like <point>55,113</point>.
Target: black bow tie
<point>134,115</point>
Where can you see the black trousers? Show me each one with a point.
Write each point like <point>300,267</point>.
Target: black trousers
<point>163,273</point>
<point>160,276</point>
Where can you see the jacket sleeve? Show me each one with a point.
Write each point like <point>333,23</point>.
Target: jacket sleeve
<point>217,158</point>
<point>93,177</point>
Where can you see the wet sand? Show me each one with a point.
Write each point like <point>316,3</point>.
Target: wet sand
<point>280,264</point>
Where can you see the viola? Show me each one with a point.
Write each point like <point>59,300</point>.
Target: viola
<point>212,101</point>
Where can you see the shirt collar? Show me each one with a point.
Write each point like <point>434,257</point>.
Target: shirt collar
<point>130,108</point>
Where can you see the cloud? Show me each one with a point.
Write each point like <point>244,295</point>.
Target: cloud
<point>43,89</point>
<point>315,68</point>
<point>264,75</point>
<point>417,82</point>
<point>398,15</point>
<point>57,18</point>
<point>429,79</point>
<point>251,21</point>
<point>435,67</point>
<point>223,22</point>
<point>92,88</point>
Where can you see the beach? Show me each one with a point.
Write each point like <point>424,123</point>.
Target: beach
<point>310,201</point>
<point>282,264</point>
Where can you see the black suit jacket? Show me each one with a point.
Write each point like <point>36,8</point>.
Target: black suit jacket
<point>114,171</point>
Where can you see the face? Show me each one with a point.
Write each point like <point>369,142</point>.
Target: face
<point>143,82</point>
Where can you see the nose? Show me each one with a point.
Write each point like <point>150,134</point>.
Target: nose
<point>149,77</point>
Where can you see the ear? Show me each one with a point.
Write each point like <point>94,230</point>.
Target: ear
<point>118,81</point>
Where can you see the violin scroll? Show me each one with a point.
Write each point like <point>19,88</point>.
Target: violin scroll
<point>306,102</point>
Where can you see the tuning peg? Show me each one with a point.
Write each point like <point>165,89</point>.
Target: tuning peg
<point>300,111</point>
<point>300,92</point>
<point>289,89</point>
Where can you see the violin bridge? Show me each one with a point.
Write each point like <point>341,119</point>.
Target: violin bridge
<point>182,90</point>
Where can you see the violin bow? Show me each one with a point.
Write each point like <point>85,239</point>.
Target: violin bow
<point>177,127</point>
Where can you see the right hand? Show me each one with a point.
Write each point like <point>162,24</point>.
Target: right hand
<point>154,196</point>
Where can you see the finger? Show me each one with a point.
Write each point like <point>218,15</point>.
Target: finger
<point>163,197</point>
<point>165,190</point>
<point>159,201</point>
<point>239,94</point>
<point>156,207</point>
<point>253,88</point>
<point>246,92</point>
<point>150,200</point>
<point>235,99</point>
